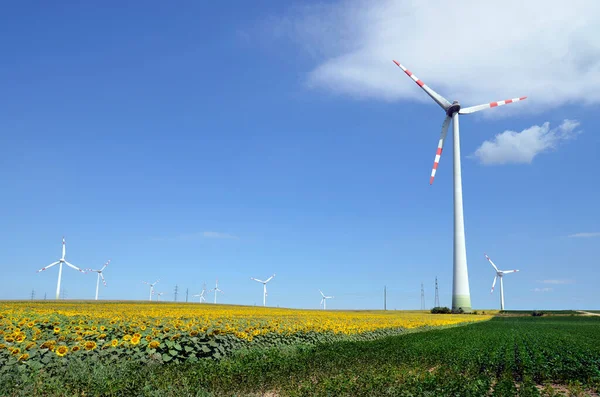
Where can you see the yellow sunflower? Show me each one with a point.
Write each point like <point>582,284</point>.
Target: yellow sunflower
<point>9,339</point>
<point>20,338</point>
<point>135,340</point>
<point>30,345</point>
<point>154,344</point>
<point>148,338</point>
<point>56,330</point>
<point>75,348</point>
<point>193,332</point>
<point>2,346</point>
<point>61,350</point>
<point>90,345</point>
<point>114,342</point>
<point>15,351</point>
<point>127,337</point>
<point>23,357</point>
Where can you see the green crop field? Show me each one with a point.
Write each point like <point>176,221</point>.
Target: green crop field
<point>505,356</point>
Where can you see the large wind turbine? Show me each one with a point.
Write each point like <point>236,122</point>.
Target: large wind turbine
<point>200,296</point>
<point>264,283</point>
<point>499,274</point>
<point>461,297</point>
<point>60,264</point>
<point>216,289</point>
<point>151,287</point>
<point>99,275</point>
<point>324,300</point>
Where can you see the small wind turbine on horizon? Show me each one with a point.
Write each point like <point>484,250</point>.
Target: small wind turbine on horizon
<point>264,283</point>
<point>158,295</point>
<point>60,263</point>
<point>461,296</point>
<point>151,287</point>
<point>499,274</point>
<point>324,300</point>
<point>216,289</point>
<point>99,276</point>
<point>200,296</point>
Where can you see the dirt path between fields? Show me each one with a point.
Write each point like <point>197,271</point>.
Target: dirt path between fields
<point>588,313</point>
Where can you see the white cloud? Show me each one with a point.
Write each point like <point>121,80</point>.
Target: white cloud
<point>217,235</point>
<point>474,51</point>
<point>521,147</point>
<point>585,235</point>
<point>563,281</point>
<point>542,289</point>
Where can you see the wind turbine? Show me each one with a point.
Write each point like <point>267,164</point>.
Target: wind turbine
<point>158,295</point>
<point>151,287</point>
<point>461,297</point>
<point>99,276</point>
<point>499,274</point>
<point>324,300</point>
<point>216,289</point>
<point>201,294</point>
<point>60,264</point>
<point>264,283</point>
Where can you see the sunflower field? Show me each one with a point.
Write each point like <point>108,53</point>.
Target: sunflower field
<point>46,334</point>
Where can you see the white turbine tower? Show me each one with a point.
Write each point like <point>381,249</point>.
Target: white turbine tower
<point>99,276</point>
<point>200,296</point>
<point>151,287</point>
<point>324,300</point>
<point>216,289</point>
<point>264,283</point>
<point>60,264</point>
<point>461,297</point>
<point>499,274</point>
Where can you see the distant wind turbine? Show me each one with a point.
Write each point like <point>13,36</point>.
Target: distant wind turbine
<point>324,300</point>
<point>200,296</point>
<point>264,283</point>
<point>151,287</point>
<point>158,295</point>
<point>99,276</point>
<point>60,264</point>
<point>216,289</point>
<point>499,274</point>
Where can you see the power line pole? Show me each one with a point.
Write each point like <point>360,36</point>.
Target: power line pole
<point>175,294</point>
<point>32,294</point>
<point>187,290</point>
<point>422,297</point>
<point>44,296</point>
<point>384,297</point>
<point>437,294</point>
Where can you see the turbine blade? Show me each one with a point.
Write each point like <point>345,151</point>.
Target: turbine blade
<point>269,279</point>
<point>255,279</point>
<point>322,294</point>
<point>74,267</point>
<point>440,147</point>
<point>492,263</point>
<point>48,267</point>
<point>106,264</point>
<point>494,284</point>
<point>63,248</point>
<point>490,105</point>
<point>103,280</point>
<point>440,100</point>
<point>508,271</point>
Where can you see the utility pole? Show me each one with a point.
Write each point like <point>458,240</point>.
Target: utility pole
<point>384,297</point>
<point>32,294</point>
<point>175,294</point>
<point>44,296</point>
<point>187,290</point>
<point>437,294</point>
<point>422,297</point>
<point>64,293</point>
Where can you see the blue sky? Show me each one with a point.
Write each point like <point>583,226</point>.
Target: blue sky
<point>192,142</point>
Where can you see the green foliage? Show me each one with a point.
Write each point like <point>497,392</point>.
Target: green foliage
<point>506,356</point>
<point>537,313</point>
<point>441,310</point>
